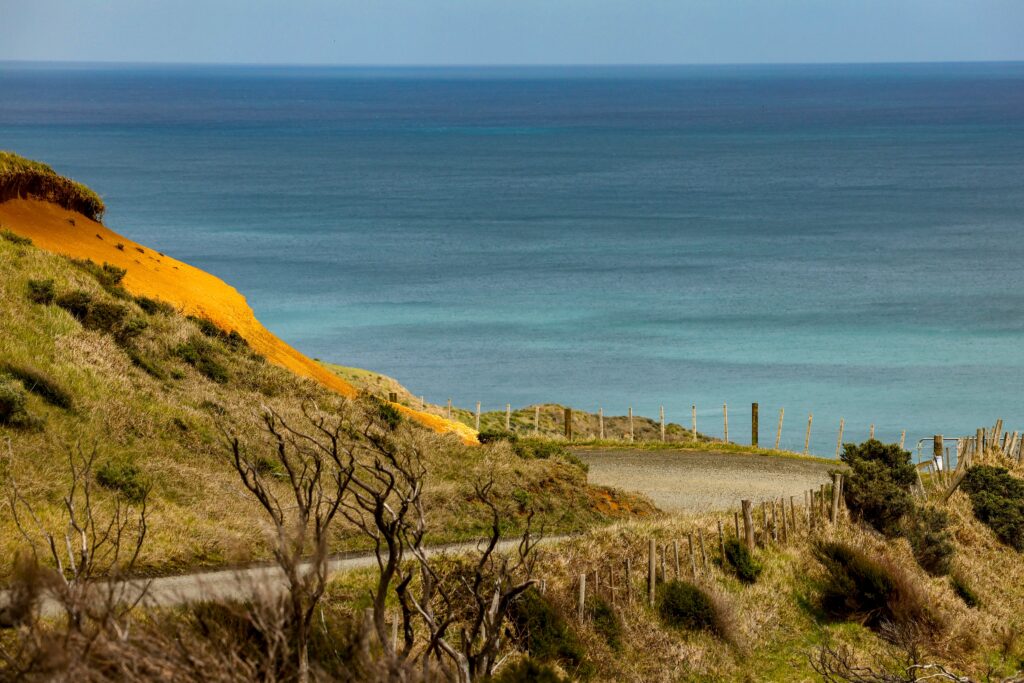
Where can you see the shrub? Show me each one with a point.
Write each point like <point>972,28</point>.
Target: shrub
<point>606,622</point>
<point>201,355</point>
<point>41,291</point>
<point>930,540</point>
<point>998,501</point>
<point>528,670</point>
<point>964,591</point>
<point>739,559</point>
<point>14,238</point>
<point>210,329</point>
<point>541,631</point>
<point>877,487</point>
<point>76,303</point>
<point>12,403</point>
<point>859,588</point>
<point>123,477</point>
<point>684,605</point>
<point>40,384</point>
<point>129,330</point>
<point>104,316</point>
<point>153,306</point>
<point>494,435</point>
<point>108,276</point>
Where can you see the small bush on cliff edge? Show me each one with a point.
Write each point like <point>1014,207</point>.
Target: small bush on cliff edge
<point>998,501</point>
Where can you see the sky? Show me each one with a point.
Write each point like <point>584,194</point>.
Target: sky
<point>522,32</point>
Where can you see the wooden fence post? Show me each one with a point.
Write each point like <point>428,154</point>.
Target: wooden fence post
<point>721,540</point>
<point>664,573</point>
<point>449,409</point>
<point>661,417</point>
<point>693,417</point>
<point>600,421</point>
<point>807,439</point>
<point>675,553</point>
<point>508,417</point>
<point>775,523</point>
<point>703,553</point>
<point>693,558</point>
<point>871,434</point>
<point>651,578</point>
<point>753,424</point>
<point>478,416</point>
<point>629,580</point>
<point>937,451</point>
<point>536,420</point>
<point>836,478</point>
<point>568,423</point>
<point>778,434</point>
<point>792,512</point>
<point>581,607</point>
<point>631,424</point>
<point>736,519</point>
<point>785,524</point>
<point>903,438</point>
<point>839,441</point>
<point>725,421</point>
<point>748,524</point>
<point>821,501</point>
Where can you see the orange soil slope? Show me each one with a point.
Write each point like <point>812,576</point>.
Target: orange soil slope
<point>193,291</point>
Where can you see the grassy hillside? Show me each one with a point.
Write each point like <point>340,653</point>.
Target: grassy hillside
<point>152,388</point>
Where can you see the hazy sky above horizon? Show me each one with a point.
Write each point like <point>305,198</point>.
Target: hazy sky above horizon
<point>433,32</point>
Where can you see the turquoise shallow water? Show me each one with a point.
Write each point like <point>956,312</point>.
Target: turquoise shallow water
<point>845,240</point>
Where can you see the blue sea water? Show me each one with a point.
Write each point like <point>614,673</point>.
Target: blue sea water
<point>842,240</point>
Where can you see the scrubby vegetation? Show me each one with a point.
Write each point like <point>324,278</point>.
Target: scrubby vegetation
<point>21,177</point>
<point>741,561</point>
<point>930,539</point>
<point>877,485</point>
<point>544,633</point>
<point>998,500</point>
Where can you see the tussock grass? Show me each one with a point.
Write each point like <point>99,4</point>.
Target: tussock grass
<point>21,177</point>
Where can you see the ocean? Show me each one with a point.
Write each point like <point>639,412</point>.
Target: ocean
<point>846,241</point>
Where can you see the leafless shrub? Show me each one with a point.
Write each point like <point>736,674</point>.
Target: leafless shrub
<point>317,474</point>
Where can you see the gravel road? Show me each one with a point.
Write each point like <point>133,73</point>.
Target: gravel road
<point>699,481</point>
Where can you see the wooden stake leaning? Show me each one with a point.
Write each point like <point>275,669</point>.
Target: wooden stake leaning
<point>839,440</point>
<point>807,439</point>
<point>778,434</point>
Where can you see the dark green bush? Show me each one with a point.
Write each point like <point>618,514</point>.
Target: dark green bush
<point>40,384</point>
<point>739,559</point>
<point>209,329</point>
<point>76,303</point>
<point>606,622</point>
<point>998,501</point>
<point>14,238</point>
<point>540,630</point>
<point>108,276</point>
<point>123,477</point>
<point>494,435</point>
<point>684,605</point>
<point>154,306</point>
<point>964,591</point>
<point>129,330</point>
<point>930,539</point>
<point>877,487</point>
<point>528,670</point>
<point>41,291</point>
<point>201,355</point>
<point>104,316</point>
<point>857,587</point>
<point>12,403</point>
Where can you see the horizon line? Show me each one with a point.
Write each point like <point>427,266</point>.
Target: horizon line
<point>510,65</point>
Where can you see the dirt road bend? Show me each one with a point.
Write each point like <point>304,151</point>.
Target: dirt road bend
<point>701,481</point>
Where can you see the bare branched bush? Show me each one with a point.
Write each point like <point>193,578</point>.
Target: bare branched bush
<point>317,473</point>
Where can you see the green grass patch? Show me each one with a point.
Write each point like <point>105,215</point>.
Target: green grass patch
<point>40,291</point>
<point>124,478</point>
